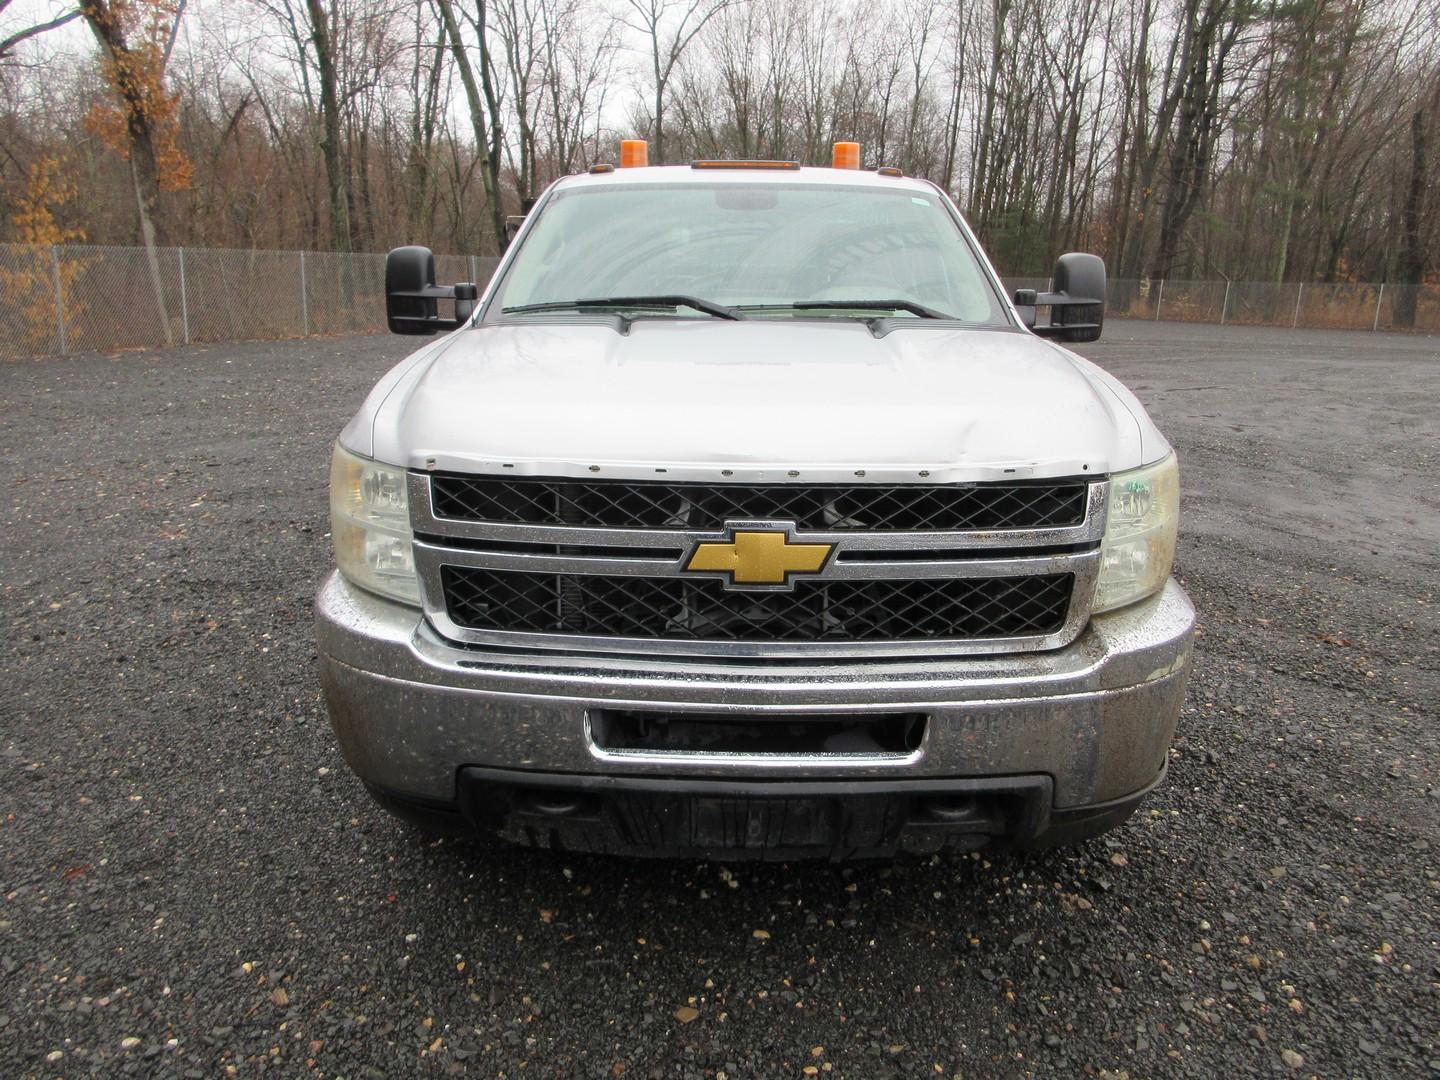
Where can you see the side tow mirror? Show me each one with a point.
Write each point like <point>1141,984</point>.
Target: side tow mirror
<point>1077,302</point>
<point>412,297</point>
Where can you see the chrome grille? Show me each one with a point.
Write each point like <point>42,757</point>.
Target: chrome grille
<point>956,609</point>
<point>623,504</point>
<point>599,566</point>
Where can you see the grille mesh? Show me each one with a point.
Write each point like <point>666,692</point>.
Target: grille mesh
<point>703,610</point>
<point>649,505</point>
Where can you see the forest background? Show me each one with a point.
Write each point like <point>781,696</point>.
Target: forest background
<point>1246,140</point>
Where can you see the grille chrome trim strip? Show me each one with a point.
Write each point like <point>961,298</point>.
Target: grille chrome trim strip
<point>1085,566</point>
<point>1003,504</point>
<point>730,759</point>
<point>423,520</point>
<point>434,556</point>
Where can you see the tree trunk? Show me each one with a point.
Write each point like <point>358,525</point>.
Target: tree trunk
<point>336,176</point>
<point>127,77</point>
<point>1412,251</point>
<point>1188,179</point>
<point>483,125</point>
<point>659,139</point>
<point>152,254</point>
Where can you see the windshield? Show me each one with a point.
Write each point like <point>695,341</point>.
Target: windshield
<point>751,246</point>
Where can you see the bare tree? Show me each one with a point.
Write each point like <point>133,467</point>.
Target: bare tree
<point>12,38</point>
<point>580,58</point>
<point>483,98</point>
<point>337,175</point>
<point>668,27</point>
<point>521,26</point>
<point>1412,250</point>
<point>135,44</point>
<point>427,103</point>
<point>1211,30</point>
<point>1180,137</point>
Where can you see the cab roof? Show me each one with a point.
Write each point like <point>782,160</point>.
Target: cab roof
<point>687,174</point>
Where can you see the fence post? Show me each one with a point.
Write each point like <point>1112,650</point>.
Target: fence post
<point>472,270</point>
<point>184,300</point>
<point>1378,301</point>
<point>1160,299</point>
<point>1225,304</point>
<point>59,297</point>
<point>1299,295</point>
<point>304,299</point>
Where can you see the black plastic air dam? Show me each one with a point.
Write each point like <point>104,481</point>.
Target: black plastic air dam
<point>766,820</point>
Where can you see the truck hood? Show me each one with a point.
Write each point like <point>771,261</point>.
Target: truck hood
<point>758,400</point>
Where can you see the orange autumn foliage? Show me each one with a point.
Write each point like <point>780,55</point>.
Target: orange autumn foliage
<point>46,191</point>
<point>137,77</point>
<point>33,283</point>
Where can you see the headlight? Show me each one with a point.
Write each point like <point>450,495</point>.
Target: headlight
<point>370,523</point>
<point>1140,524</point>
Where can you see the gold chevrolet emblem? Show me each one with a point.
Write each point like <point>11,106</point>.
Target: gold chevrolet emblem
<point>759,557</point>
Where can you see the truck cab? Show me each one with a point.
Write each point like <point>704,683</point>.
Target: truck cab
<point>742,514</point>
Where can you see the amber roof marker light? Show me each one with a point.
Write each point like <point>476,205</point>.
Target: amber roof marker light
<point>634,153</point>
<point>788,166</point>
<point>846,155</point>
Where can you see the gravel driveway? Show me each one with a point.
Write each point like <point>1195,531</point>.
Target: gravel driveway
<point>193,883</point>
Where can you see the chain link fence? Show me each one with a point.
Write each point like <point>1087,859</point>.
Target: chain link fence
<point>78,298</point>
<point>1343,306</point>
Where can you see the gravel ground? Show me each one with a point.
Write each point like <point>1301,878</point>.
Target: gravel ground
<point>195,885</point>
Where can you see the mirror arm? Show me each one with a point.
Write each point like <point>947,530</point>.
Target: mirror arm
<point>1030,299</point>
<point>464,293</point>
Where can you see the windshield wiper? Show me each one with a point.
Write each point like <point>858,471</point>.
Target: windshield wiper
<point>869,305</point>
<point>668,300</point>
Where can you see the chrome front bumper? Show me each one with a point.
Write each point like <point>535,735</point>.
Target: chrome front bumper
<point>411,710</point>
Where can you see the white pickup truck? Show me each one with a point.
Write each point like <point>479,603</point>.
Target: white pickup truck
<point>744,515</point>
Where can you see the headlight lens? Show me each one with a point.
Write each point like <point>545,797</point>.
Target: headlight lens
<point>370,523</point>
<point>1140,524</point>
